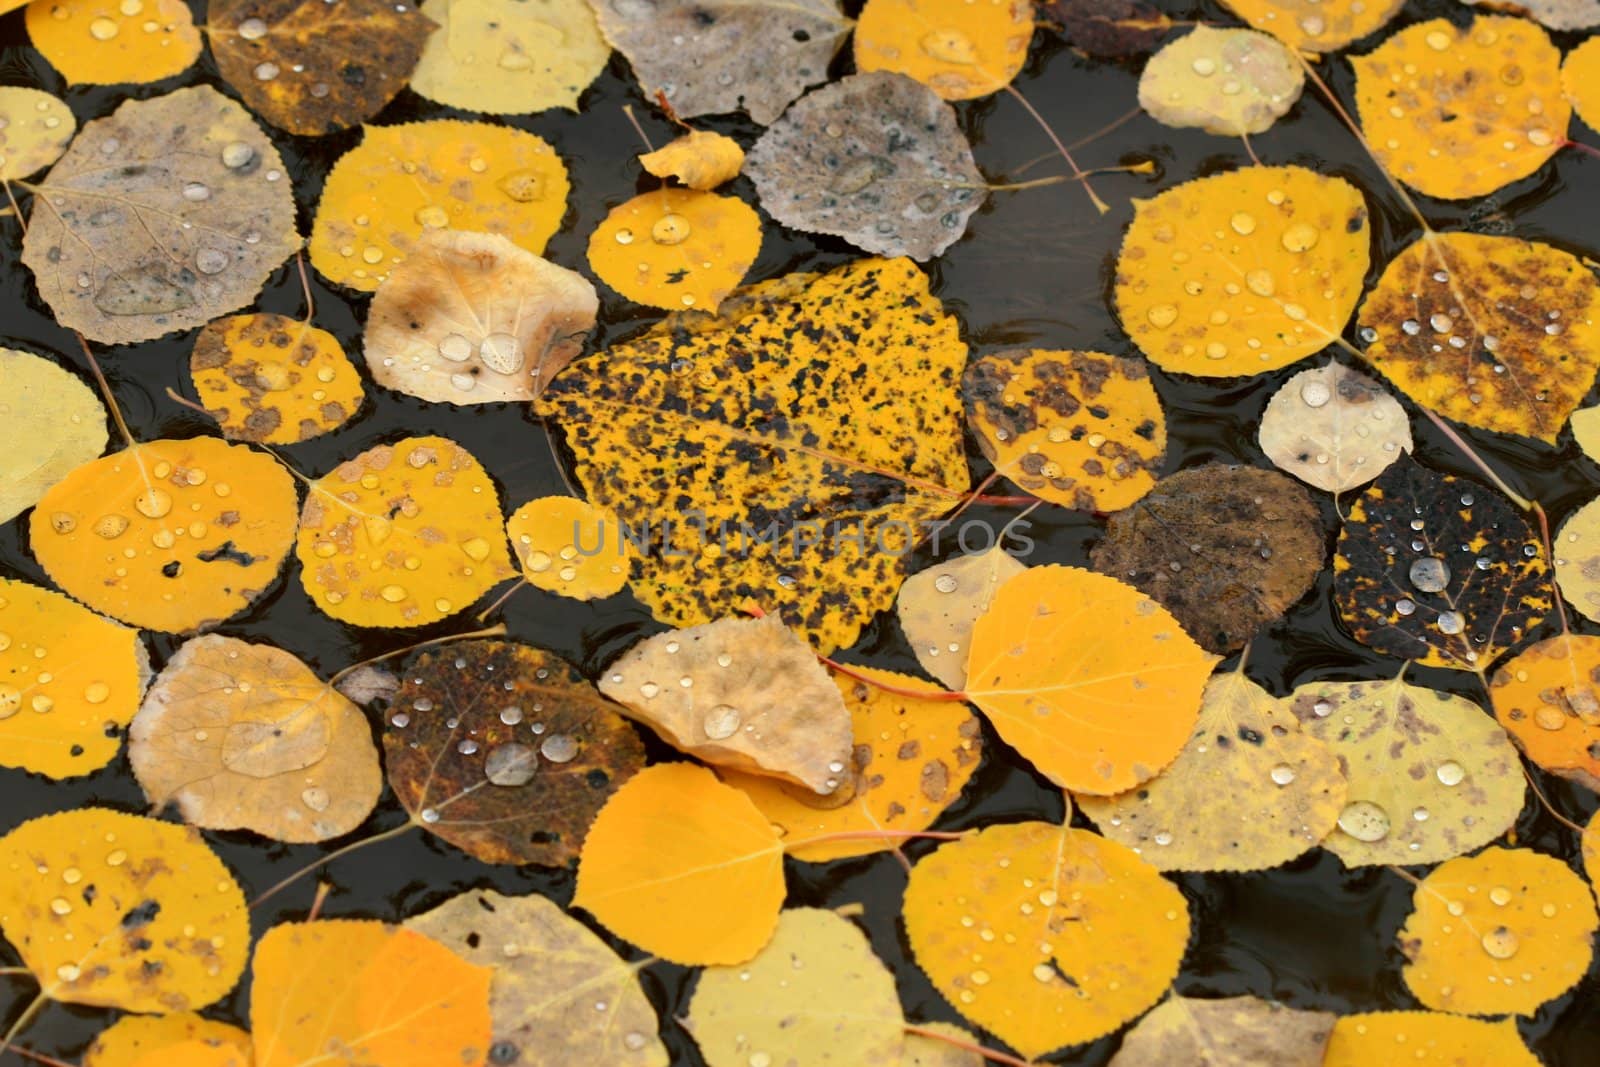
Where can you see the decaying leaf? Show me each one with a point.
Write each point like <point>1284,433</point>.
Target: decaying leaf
<point>1250,790</point>
<point>1580,75</point>
<point>1226,1030</point>
<point>510,57</point>
<point>1577,560</point>
<point>183,1039</point>
<point>1548,698</point>
<point>366,682</point>
<point>1074,935</point>
<point>311,67</point>
<point>841,162</point>
<point>1228,82</point>
<point>559,996</point>
<point>505,750</point>
<point>470,318</point>
<point>122,911</point>
<point>37,129</point>
<point>54,424</point>
<point>1431,776</point>
<point>676,248</point>
<point>699,159</point>
<point>92,42</point>
<point>814,994</point>
<point>1277,285</point>
<point>1316,25</point>
<point>1227,549</point>
<point>551,539</point>
<point>1436,1038</point>
<point>270,378</point>
<point>1333,428</point>
<point>185,224</point>
<point>1110,28</point>
<point>1438,569</point>
<point>938,606</point>
<point>959,50</point>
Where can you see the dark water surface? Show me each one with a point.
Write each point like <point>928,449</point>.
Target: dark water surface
<point>1034,269</point>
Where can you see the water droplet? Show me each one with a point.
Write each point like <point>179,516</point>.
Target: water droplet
<point>670,230</point>
<point>1315,393</point>
<point>266,71</point>
<point>1441,323</point>
<point>512,763</point>
<point>250,29</point>
<point>1162,837</point>
<point>1162,315</point>
<point>430,815</point>
<point>1411,326</point>
<point>1322,709</point>
<point>102,29</point>
<point>467,747</point>
<point>1430,574</point>
<point>316,799</point>
<point>1364,821</point>
<point>237,154</point>
<point>196,192</point>
<point>501,352</point>
<point>1501,943</point>
<point>1282,774</point>
<point>721,722</point>
<point>1405,606</point>
<point>1205,66</point>
<point>560,748</point>
<point>1549,717</point>
<point>153,503</point>
<point>1301,237</point>
<point>945,583</point>
<point>211,261</point>
<point>1451,622</point>
<point>1450,773</point>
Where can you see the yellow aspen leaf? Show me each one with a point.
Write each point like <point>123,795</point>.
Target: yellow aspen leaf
<point>471,318</point>
<point>401,181</point>
<point>101,42</point>
<point>1580,80</point>
<point>1228,82</point>
<point>54,423</point>
<point>1589,853</point>
<point>1242,272</point>
<point>1432,1039</point>
<point>1457,112</point>
<point>1250,790</point>
<point>69,680</point>
<point>1073,935</point>
<point>402,535</point>
<point>938,606</point>
<point>510,57</point>
<point>683,866</point>
<point>273,379</point>
<point>380,994</point>
<point>676,248</point>
<point>957,49</point>
<point>1333,428</point>
<point>835,1001</point>
<point>1502,932</point>
<point>1080,429</point>
<point>1585,423</point>
<point>1494,332</point>
<point>1316,25</point>
<point>37,129</point>
<point>122,911</point>
<point>168,535</point>
<point>550,538</point>
<point>699,159</point>
<point>1547,697</point>
<point>159,1040</point>
<point>1184,1030</point>
<point>1578,558</point>
<point>245,736</point>
<point>912,759</point>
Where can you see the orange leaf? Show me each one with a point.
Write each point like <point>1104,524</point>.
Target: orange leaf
<point>1548,701</point>
<point>180,1040</point>
<point>957,48</point>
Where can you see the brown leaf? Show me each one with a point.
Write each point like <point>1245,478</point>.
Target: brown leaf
<point>1109,28</point>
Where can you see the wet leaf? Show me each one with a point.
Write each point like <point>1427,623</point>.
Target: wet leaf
<point>684,867</point>
<point>1250,790</point>
<point>1226,549</point>
<point>37,129</point>
<point>245,736</point>
<point>839,162</point>
<point>1548,698</point>
<point>1080,429</point>
<point>1277,286</point>
<point>180,1040</point>
<point>1184,1030</point>
<point>938,606</point>
<point>185,225</point>
<point>1580,75</point>
<point>1316,25</point>
<point>747,694</point>
<point>122,911</point>
<point>814,994</point>
<point>69,681</point>
<point>168,535</point>
<point>1578,560</point>
<point>1431,776</point>
<point>1109,28</point>
<point>698,419</point>
<point>402,535</point>
<point>1333,428</point>
<point>1227,82</point>
<point>1075,934</point>
<point>505,751</point>
<point>699,159</point>
<point>1502,932</point>
<point>924,1051</point>
<point>1585,423</point>
<point>560,997</point>
<point>270,378</point>
<point>757,56</point>
<point>1438,569</point>
<point>377,993</point>
<point>550,537</point>
<point>1095,685</point>
<point>92,42</point>
<point>510,57</point>
<point>1556,14</point>
<point>1437,1040</point>
<point>959,50</point>
<point>676,248</point>
<point>401,181</point>
<point>311,67</point>
<point>470,318</point>
<point>54,424</point>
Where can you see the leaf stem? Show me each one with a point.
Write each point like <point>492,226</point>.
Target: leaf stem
<point>105,391</point>
<point>1077,172</point>
<point>990,1054</point>
<point>336,854</point>
<point>876,683</point>
<point>1544,802</point>
<point>14,971</point>
<point>28,1014</point>
<point>497,630</point>
<point>39,1057</point>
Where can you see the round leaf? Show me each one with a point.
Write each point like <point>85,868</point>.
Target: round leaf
<point>1548,698</point>
<point>37,129</point>
<point>510,57</point>
<point>1436,1040</point>
<point>269,378</point>
<point>92,42</point>
<point>180,1040</point>
<point>1578,560</point>
<point>938,606</point>
<point>1333,428</point>
<point>959,50</point>
<point>1229,82</point>
<point>549,540</point>
<point>676,248</point>
<point>54,423</point>
<point>1316,25</point>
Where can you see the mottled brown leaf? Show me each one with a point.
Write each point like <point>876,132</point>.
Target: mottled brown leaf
<point>1109,28</point>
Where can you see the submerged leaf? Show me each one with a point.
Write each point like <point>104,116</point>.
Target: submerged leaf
<point>95,43</point>
<point>1227,82</point>
<point>510,57</point>
<point>1548,698</point>
<point>1184,1030</point>
<point>54,424</point>
<point>960,50</point>
<point>1439,1040</point>
<point>699,159</point>
<point>37,128</point>
<point>269,378</point>
<point>1333,428</point>
<point>676,248</point>
<point>938,606</point>
<point>1316,25</point>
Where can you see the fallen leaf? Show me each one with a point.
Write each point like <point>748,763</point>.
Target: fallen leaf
<point>1580,74</point>
<point>1548,699</point>
<point>746,694</point>
<point>1556,14</point>
<point>924,1050</point>
<point>840,162</point>
<point>684,867</point>
<point>270,378</point>
<point>1578,560</point>
<point>938,606</point>
<point>1589,852</point>
<point>676,248</point>
<point>1431,776</point>
<point>401,181</point>
<point>185,225</point>
<point>1316,25</point>
<point>1438,569</point>
<point>1436,1039</point>
<point>121,911</point>
<point>38,127</point>
<point>1249,791</point>
<point>814,994</point>
<point>1333,428</point>
<point>1277,286</point>
<point>959,50</point>
<point>470,318</point>
<point>376,993</point>
<point>403,535</point>
<point>1228,82</point>
<point>1075,935</point>
<point>54,424</point>
<point>365,683</point>
<point>757,56</point>
<point>1094,684</point>
<point>505,751</point>
<point>180,1040</point>
<point>1226,1030</point>
<point>1585,423</point>
<point>168,535</point>
<point>69,681</point>
<point>699,159</point>
<point>1502,932</point>
<point>1227,549</point>
<point>549,537</point>
<point>1109,28</point>
<point>311,67</point>
<point>94,42</point>
<point>559,997</point>
<point>510,57</point>
<point>1081,429</point>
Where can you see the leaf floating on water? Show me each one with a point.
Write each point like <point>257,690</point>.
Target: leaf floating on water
<point>1316,25</point>
<point>922,1050</point>
<point>180,1040</point>
<point>676,248</point>
<point>1109,28</point>
<point>35,128</point>
<point>96,43</point>
<point>551,537</point>
<point>1556,14</point>
<point>1227,82</point>
<point>1577,559</point>
<point>1439,1039</point>
<point>959,50</point>
<point>54,424</point>
<point>699,159</point>
<point>270,378</point>
<point>839,162</point>
<point>1548,698</point>
<point>510,57</point>
<point>938,606</point>
<point>1580,75</point>
<point>1184,1030</point>
<point>1333,428</point>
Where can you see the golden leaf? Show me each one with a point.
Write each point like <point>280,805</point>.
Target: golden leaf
<point>959,50</point>
<point>166,1041</point>
<point>549,537</point>
<point>54,424</point>
<point>266,377</point>
<point>1228,82</point>
<point>1434,1038</point>
<point>96,42</point>
<point>1548,698</point>
<point>510,57</point>
<point>676,248</point>
<point>38,128</point>
<point>1185,1030</point>
<point>699,159</point>
<point>1316,25</point>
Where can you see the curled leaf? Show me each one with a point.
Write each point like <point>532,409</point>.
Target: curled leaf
<point>1227,82</point>
<point>268,378</point>
<point>699,159</point>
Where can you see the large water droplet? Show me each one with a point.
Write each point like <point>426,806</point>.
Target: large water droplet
<point>1450,773</point>
<point>559,748</point>
<point>1315,393</point>
<point>501,352</point>
<point>511,764</point>
<point>721,722</point>
<point>1451,622</point>
<point>1501,943</point>
<point>1430,574</point>
<point>1364,821</point>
